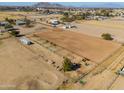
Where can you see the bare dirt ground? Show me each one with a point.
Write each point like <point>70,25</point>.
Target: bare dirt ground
<point>93,48</point>
<point>14,15</point>
<point>56,53</point>
<point>119,84</point>
<point>104,76</point>
<point>29,30</point>
<point>22,69</point>
<point>97,28</point>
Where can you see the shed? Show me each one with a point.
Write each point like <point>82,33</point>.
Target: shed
<point>20,22</point>
<point>25,41</point>
<point>54,21</point>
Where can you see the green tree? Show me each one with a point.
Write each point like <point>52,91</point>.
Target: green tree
<point>67,65</point>
<point>11,21</point>
<point>15,33</point>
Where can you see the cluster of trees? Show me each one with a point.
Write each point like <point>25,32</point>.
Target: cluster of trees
<point>69,66</point>
<point>106,36</point>
<point>15,33</point>
<point>11,21</point>
<point>104,12</point>
<point>10,27</point>
<point>68,17</point>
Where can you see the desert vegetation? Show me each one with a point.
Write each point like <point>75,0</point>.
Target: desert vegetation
<point>106,36</point>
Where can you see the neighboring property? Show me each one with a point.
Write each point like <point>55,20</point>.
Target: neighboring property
<point>4,23</point>
<point>96,18</point>
<point>25,41</point>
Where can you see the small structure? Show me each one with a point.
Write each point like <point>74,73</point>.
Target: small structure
<point>20,22</point>
<point>67,26</point>
<point>54,22</point>
<point>25,41</point>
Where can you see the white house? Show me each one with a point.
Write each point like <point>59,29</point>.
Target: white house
<point>25,41</point>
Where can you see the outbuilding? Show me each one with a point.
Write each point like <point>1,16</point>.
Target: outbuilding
<point>54,22</point>
<point>20,22</point>
<point>25,41</point>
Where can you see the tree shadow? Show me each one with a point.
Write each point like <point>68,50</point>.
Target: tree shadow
<point>75,66</point>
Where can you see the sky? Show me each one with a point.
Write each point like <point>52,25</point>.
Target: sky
<point>77,4</point>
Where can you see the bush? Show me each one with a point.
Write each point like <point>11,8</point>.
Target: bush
<point>107,36</point>
<point>15,33</point>
<point>67,19</point>
<point>11,21</point>
<point>82,82</point>
<point>46,41</point>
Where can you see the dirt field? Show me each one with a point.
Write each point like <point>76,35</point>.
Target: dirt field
<point>14,15</point>
<point>104,76</point>
<point>93,48</point>
<point>56,53</point>
<point>22,69</point>
<point>97,28</point>
<point>119,84</point>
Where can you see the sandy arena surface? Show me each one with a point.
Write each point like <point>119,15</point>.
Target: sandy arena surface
<point>21,69</point>
<point>93,48</point>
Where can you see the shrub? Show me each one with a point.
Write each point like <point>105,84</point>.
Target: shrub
<point>11,21</point>
<point>82,82</point>
<point>107,36</point>
<point>46,41</point>
<point>15,33</point>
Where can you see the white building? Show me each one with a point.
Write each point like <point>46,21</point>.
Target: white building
<point>68,26</point>
<point>54,21</point>
<point>25,41</point>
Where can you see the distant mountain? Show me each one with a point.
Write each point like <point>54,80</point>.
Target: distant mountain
<point>46,4</point>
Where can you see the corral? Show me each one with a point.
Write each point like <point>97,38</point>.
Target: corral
<point>92,48</point>
<point>22,69</point>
